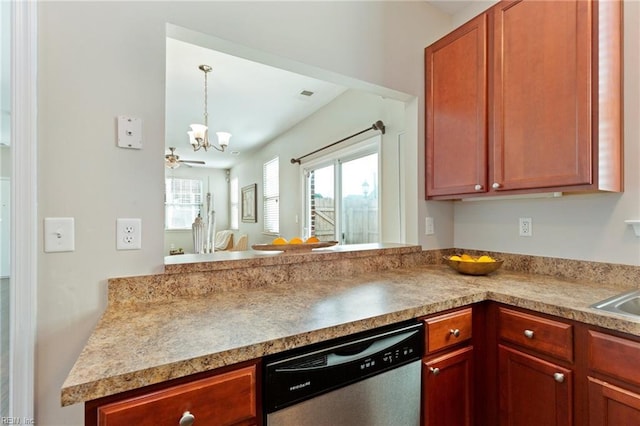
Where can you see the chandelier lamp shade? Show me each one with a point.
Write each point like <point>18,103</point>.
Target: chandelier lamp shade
<point>199,134</point>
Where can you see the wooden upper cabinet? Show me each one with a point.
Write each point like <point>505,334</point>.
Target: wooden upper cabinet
<point>456,111</point>
<point>553,102</point>
<point>541,127</point>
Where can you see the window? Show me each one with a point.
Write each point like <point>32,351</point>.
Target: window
<point>183,201</point>
<point>233,202</point>
<point>342,195</point>
<point>271,196</point>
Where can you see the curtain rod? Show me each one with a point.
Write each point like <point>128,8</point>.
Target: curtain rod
<point>378,125</point>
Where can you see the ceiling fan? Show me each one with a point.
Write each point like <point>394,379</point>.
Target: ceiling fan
<point>173,161</point>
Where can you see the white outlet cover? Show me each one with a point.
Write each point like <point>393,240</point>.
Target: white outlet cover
<point>128,234</point>
<point>129,132</point>
<point>429,226</point>
<point>526,227</point>
<point>59,234</point>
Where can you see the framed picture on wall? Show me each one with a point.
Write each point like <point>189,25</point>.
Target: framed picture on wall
<point>249,203</point>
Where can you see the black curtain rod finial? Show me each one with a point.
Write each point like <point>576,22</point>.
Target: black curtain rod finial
<point>379,125</point>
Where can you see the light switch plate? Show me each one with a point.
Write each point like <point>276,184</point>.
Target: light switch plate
<point>129,132</point>
<point>59,234</point>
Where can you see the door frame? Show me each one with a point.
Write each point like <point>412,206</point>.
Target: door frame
<point>24,194</point>
<point>363,147</point>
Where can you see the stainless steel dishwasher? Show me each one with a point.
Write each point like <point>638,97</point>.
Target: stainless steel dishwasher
<point>368,379</point>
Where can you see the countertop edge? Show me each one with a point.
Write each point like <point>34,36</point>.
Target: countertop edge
<point>72,393</point>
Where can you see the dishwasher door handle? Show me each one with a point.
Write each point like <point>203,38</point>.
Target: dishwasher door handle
<point>334,358</point>
<point>378,346</point>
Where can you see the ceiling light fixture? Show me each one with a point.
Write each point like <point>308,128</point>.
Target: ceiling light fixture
<point>173,161</point>
<point>199,134</point>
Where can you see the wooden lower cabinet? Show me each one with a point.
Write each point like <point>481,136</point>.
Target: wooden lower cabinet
<point>447,369</point>
<point>614,395</point>
<point>447,388</point>
<point>228,398</point>
<point>611,405</point>
<point>533,391</point>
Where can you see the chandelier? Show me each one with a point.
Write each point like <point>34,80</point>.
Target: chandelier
<point>199,134</point>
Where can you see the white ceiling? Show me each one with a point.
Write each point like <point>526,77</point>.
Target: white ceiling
<point>451,7</point>
<point>252,101</point>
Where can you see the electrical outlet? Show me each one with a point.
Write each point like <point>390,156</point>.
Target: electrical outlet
<point>128,234</point>
<point>526,227</point>
<point>429,226</point>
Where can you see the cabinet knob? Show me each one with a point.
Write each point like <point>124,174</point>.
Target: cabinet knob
<point>558,377</point>
<point>455,333</point>
<point>528,334</point>
<point>496,185</point>
<point>187,419</point>
<point>478,187</point>
<point>435,370</point>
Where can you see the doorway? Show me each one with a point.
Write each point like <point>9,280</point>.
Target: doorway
<point>342,195</point>
<point>5,199</point>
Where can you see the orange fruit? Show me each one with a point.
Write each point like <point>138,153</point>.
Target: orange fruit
<point>295,240</point>
<point>313,239</point>
<point>279,241</point>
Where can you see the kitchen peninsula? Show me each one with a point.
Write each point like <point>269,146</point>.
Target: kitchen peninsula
<point>197,317</point>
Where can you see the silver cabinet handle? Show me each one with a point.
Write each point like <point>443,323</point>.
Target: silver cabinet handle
<point>478,187</point>
<point>455,333</point>
<point>528,334</point>
<point>435,370</point>
<point>496,185</point>
<point>187,419</point>
<point>558,377</point>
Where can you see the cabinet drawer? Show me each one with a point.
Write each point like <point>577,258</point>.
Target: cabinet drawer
<point>614,356</point>
<point>543,335</point>
<point>447,330</point>
<point>225,399</point>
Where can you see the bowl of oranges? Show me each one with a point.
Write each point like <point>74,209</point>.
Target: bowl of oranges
<point>294,244</point>
<point>473,265</point>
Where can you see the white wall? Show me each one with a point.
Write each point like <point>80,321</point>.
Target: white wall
<point>101,59</point>
<point>5,74</point>
<point>348,114</point>
<point>98,60</point>
<point>586,227</point>
<point>215,182</point>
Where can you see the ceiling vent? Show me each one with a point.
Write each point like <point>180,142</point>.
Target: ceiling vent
<point>306,93</point>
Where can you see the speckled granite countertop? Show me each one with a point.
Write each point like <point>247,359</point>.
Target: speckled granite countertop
<point>139,344</point>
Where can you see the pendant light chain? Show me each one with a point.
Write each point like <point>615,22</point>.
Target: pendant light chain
<point>206,113</point>
<point>199,134</point>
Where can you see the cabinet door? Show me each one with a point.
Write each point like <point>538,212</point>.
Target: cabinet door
<point>456,87</point>
<point>541,98</point>
<point>225,399</point>
<point>610,405</point>
<point>447,389</point>
<point>533,392</point>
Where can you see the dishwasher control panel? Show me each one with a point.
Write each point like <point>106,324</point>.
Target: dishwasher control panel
<point>294,378</point>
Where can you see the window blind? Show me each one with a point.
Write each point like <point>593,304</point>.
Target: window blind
<point>234,203</point>
<point>183,201</point>
<point>271,196</point>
